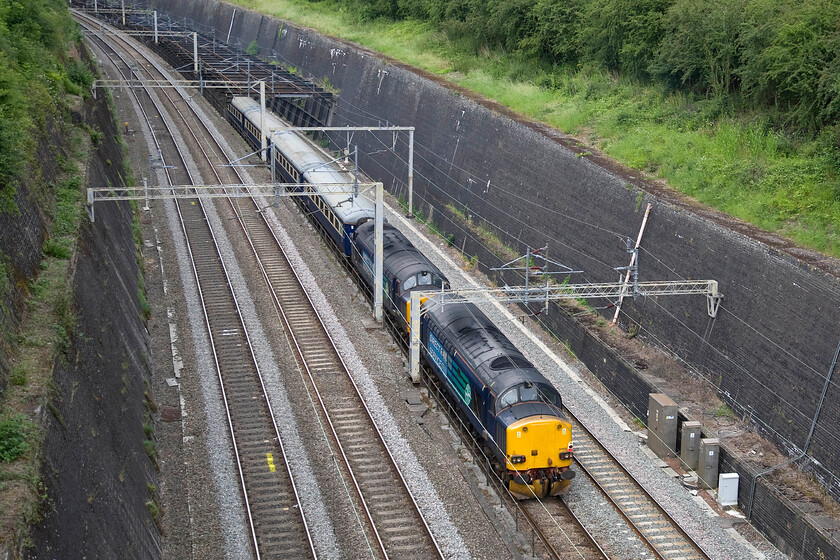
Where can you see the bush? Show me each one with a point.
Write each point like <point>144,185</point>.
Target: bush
<point>700,45</point>
<point>18,376</point>
<point>145,306</point>
<point>14,432</point>
<point>56,248</point>
<point>791,59</point>
<point>253,48</point>
<point>79,74</point>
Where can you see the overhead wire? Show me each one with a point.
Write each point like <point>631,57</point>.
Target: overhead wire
<point>500,210</point>
<point>356,113</point>
<point>767,427</point>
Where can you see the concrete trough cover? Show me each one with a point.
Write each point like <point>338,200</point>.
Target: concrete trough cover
<point>415,402</point>
<point>810,507</point>
<point>827,523</point>
<point>170,414</point>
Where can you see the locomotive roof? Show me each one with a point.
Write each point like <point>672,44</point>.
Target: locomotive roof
<point>313,164</point>
<point>497,362</point>
<point>399,254</point>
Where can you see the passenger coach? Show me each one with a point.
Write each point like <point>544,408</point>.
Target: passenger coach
<point>296,160</point>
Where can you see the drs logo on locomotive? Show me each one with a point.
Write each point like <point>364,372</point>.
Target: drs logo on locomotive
<point>437,353</point>
<point>457,380</point>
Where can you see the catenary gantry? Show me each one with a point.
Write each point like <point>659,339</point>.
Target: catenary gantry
<point>232,72</point>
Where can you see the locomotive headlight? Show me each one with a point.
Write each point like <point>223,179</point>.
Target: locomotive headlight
<point>517,459</point>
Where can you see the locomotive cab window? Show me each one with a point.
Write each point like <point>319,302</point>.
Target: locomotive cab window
<point>509,398</point>
<point>529,392</point>
<point>549,395</point>
<point>424,278</point>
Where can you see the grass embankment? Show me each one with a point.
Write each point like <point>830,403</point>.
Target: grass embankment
<point>44,336</point>
<point>782,182</point>
<point>42,79</point>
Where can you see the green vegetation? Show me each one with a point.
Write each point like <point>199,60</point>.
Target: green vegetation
<point>723,411</point>
<point>41,80</point>
<point>253,48</point>
<point>734,102</point>
<point>35,40</point>
<point>145,306</point>
<point>483,232</point>
<point>14,431</point>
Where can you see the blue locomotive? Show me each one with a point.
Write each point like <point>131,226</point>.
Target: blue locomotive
<point>404,269</point>
<point>509,404</point>
<point>506,400</point>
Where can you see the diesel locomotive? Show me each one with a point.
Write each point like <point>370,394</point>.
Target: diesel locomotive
<point>510,405</point>
<point>404,269</point>
<point>514,410</point>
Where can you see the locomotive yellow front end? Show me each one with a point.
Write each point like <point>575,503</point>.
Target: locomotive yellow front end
<point>539,455</point>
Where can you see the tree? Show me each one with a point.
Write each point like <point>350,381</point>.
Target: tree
<point>623,34</point>
<point>790,53</point>
<point>700,45</point>
<point>552,30</point>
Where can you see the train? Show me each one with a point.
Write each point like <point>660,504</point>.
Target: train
<point>513,410</point>
<point>297,161</point>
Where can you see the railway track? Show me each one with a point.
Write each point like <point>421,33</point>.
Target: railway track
<point>394,517</point>
<point>555,531</point>
<point>277,524</point>
<point>661,532</point>
<point>556,528</point>
<point>395,522</point>
<point>550,518</point>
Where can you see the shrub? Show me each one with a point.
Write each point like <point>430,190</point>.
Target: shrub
<point>14,432</point>
<point>18,376</point>
<point>253,48</point>
<point>79,74</point>
<point>145,306</point>
<point>55,248</point>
